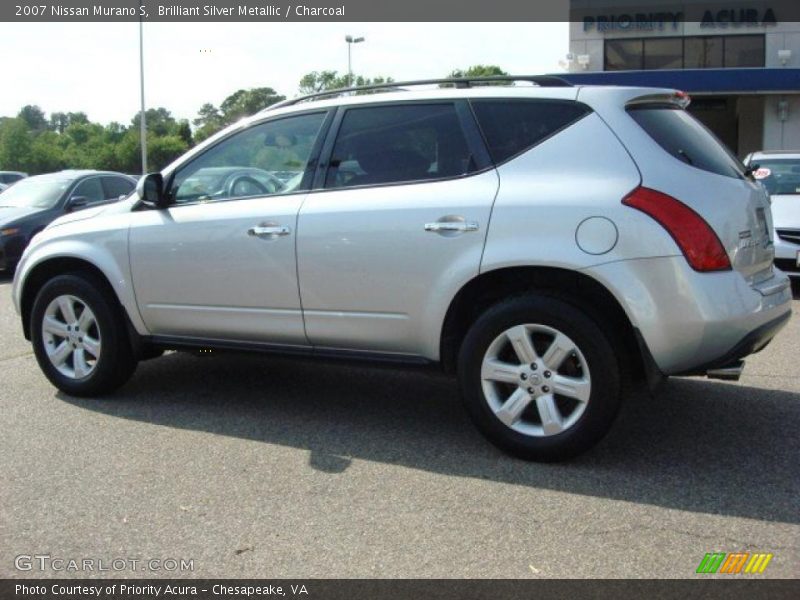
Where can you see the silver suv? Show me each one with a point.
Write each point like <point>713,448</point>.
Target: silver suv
<point>545,243</point>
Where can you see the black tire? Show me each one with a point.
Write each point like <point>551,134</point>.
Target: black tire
<point>594,345</point>
<point>116,362</point>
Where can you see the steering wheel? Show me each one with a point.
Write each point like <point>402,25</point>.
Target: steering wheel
<point>252,182</point>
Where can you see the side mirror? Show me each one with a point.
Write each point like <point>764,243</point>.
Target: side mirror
<point>77,203</point>
<point>150,190</point>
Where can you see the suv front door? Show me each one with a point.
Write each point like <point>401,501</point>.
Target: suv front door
<point>219,263</point>
<point>396,224</point>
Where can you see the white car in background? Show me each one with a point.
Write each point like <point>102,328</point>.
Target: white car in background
<point>779,172</point>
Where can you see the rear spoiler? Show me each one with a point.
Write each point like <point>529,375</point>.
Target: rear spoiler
<point>676,98</point>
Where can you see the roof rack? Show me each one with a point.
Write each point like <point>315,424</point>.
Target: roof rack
<point>459,82</point>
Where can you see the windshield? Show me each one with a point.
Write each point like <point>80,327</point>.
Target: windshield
<point>779,175</point>
<point>34,193</point>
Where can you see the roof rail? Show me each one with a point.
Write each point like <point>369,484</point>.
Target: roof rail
<point>459,82</point>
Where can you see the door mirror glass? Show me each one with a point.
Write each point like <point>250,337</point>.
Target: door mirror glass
<point>77,203</point>
<point>150,189</point>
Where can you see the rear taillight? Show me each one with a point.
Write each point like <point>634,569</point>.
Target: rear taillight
<point>698,242</point>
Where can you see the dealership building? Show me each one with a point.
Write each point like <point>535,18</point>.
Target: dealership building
<point>740,62</point>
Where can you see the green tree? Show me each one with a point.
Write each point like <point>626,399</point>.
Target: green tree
<point>478,71</point>
<point>46,153</point>
<point>321,81</point>
<point>208,122</point>
<point>114,132</point>
<point>15,145</point>
<point>162,150</point>
<point>34,117</point>
<point>184,131</point>
<point>59,121</point>
<point>158,120</point>
<point>208,115</point>
<point>243,103</point>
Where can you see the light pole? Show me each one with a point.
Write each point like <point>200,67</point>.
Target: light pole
<point>142,123</point>
<point>350,41</point>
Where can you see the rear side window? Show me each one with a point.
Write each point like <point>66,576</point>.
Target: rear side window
<point>512,126</point>
<point>685,138</point>
<point>395,144</point>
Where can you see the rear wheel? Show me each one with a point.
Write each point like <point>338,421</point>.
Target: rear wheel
<point>79,336</point>
<point>539,378</point>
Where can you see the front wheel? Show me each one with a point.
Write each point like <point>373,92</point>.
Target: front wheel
<point>539,378</point>
<point>79,336</point>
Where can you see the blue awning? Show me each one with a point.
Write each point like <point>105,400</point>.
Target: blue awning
<point>741,81</point>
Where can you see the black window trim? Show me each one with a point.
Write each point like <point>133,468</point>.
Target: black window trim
<point>469,128</point>
<point>588,110</point>
<point>303,188</point>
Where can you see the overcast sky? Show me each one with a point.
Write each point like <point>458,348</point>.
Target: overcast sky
<point>94,67</point>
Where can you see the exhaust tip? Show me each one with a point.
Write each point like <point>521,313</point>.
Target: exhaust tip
<point>731,372</point>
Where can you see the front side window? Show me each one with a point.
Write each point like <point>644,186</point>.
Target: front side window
<point>393,144</point>
<point>265,159</point>
<point>91,190</point>
<point>513,126</point>
<point>115,187</point>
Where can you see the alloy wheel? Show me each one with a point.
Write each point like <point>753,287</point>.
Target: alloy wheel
<point>536,380</point>
<point>71,336</point>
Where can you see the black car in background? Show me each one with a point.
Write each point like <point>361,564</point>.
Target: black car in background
<point>32,203</point>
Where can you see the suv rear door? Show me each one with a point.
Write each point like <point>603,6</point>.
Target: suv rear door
<point>736,207</point>
<point>678,156</point>
<point>395,225</point>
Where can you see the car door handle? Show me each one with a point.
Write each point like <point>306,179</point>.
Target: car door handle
<point>268,230</point>
<point>444,226</point>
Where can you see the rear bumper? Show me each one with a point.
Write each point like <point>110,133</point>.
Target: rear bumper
<point>692,322</point>
<point>753,342</point>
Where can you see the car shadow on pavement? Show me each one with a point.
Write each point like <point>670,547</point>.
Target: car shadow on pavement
<point>700,446</point>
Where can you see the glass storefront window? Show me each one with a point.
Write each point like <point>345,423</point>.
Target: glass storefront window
<point>623,55</point>
<point>702,52</point>
<point>663,53</point>
<point>744,51</point>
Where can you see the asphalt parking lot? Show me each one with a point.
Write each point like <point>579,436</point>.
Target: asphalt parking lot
<point>253,466</point>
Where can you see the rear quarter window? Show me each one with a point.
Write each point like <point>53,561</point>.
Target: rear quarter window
<point>686,139</point>
<point>513,126</point>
